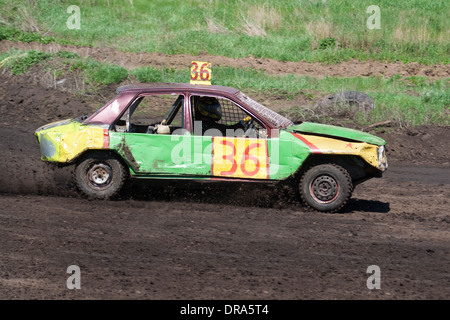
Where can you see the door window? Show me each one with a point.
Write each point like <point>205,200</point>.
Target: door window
<point>153,114</point>
<point>219,116</point>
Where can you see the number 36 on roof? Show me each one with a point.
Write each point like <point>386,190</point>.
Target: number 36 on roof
<point>200,72</point>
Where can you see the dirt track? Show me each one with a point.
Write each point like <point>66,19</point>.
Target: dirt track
<point>216,241</point>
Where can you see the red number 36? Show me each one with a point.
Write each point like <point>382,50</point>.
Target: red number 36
<point>237,157</point>
<point>202,73</point>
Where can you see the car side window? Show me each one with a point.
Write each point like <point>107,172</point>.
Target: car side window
<point>153,114</point>
<point>219,116</point>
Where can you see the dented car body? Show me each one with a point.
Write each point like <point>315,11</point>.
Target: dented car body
<point>159,131</point>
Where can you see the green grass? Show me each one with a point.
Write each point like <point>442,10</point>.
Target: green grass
<point>403,100</point>
<point>96,72</point>
<point>406,101</point>
<point>150,74</point>
<point>294,30</point>
<point>20,62</point>
<point>106,73</point>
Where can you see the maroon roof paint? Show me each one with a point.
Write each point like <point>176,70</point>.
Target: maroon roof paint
<point>186,87</point>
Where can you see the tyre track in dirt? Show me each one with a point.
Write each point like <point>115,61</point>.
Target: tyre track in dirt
<point>186,248</point>
<point>352,68</point>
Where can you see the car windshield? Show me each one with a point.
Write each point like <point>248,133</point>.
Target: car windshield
<point>276,119</point>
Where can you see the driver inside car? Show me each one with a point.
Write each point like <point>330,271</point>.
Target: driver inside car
<point>208,111</point>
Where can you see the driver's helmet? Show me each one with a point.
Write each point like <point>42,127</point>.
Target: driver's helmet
<point>209,107</point>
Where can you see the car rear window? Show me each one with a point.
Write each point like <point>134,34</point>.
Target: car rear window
<point>276,119</point>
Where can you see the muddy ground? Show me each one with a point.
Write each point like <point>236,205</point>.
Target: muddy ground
<point>193,241</point>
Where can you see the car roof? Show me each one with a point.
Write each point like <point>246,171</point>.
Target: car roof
<point>163,86</point>
<point>159,87</point>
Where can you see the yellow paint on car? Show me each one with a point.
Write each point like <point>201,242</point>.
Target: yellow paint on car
<point>240,158</point>
<point>326,145</point>
<point>64,143</point>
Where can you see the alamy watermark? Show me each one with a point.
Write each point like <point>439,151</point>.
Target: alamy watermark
<point>374,281</point>
<point>374,21</point>
<point>74,281</point>
<point>74,20</point>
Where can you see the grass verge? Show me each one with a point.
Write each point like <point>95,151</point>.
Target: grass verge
<point>287,30</point>
<point>406,101</point>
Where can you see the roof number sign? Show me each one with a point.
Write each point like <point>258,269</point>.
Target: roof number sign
<point>201,72</point>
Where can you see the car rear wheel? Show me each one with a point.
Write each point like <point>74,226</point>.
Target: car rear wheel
<point>100,175</point>
<point>326,187</point>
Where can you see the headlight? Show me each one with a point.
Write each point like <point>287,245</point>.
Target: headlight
<point>382,160</point>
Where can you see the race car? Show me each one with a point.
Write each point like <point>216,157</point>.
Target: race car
<point>209,132</point>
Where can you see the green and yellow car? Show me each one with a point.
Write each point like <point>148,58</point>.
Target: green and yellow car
<point>208,132</point>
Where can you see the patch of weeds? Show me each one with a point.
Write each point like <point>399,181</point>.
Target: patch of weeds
<point>34,37</point>
<point>149,74</point>
<point>67,54</point>
<point>327,43</point>
<point>20,62</point>
<point>394,78</point>
<point>437,96</point>
<point>417,81</point>
<point>107,73</point>
<point>78,64</point>
<point>7,33</point>
<point>93,71</point>
<point>16,35</point>
<point>309,96</point>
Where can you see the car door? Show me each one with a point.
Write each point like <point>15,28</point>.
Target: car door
<point>151,132</point>
<point>233,144</point>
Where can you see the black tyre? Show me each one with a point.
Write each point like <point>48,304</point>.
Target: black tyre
<point>100,175</point>
<point>326,187</point>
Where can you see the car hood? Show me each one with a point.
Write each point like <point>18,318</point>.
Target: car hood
<point>336,132</point>
<point>53,125</point>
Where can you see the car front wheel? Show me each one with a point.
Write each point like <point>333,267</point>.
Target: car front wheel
<point>326,187</point>
<point>100,175</point>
